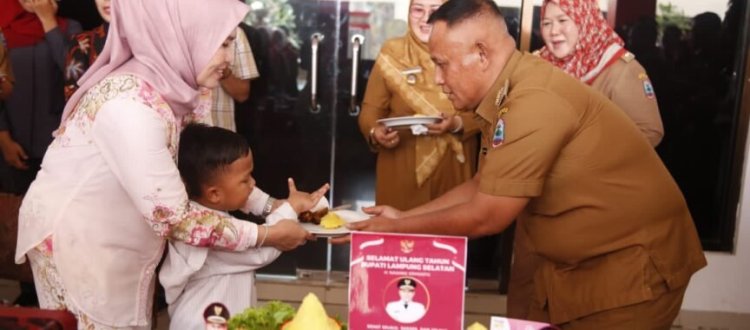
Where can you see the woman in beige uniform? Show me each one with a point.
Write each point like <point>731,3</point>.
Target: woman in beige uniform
<point>578,40</point>
<point>412,170</point>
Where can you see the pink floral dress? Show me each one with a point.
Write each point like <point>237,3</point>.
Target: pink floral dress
<point>108,196</point>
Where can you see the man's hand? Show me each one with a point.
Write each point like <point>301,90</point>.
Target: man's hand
<point>376,224</point>
<point>285,235</point>
<point>384,219</point>
<point>383,211</point>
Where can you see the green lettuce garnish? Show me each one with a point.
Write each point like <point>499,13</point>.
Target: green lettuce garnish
<point>267,317</point>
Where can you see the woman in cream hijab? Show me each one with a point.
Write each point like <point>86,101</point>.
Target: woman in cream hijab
<point>95,221</point>
<point>414,169</point>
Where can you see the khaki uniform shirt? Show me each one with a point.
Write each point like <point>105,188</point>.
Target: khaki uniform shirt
<point>626,83</point>
<point>604,213</point>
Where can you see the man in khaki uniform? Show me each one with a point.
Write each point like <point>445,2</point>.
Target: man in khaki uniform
<point>615,235</point>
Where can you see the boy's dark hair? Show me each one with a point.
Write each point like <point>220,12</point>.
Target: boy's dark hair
<point>204,151</point>
<point>455,11</point>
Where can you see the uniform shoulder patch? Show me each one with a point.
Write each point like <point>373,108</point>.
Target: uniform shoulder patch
<point>627,57</point>
<point>648,88</point>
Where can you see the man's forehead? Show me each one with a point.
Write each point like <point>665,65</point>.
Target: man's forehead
<point>444,39</point>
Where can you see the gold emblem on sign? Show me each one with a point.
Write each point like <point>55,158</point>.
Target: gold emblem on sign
<point>407,246</point>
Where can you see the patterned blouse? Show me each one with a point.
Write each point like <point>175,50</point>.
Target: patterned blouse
<point>109,189</point>
<point>85,47</point>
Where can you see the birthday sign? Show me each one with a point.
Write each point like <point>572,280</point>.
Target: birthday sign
<point>406,282</point>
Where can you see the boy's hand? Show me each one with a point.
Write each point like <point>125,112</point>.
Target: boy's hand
<point>302,201</point>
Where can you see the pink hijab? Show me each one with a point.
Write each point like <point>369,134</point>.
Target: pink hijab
<point>164,42</point>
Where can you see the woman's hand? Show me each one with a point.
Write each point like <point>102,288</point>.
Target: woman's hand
<point>385,137</point>
<point>302,201</point>
<point>285,235</point>
<point>449,124</point>
<point>13,153</point>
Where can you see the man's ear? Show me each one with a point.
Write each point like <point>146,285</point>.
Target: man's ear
<point>484,55</point>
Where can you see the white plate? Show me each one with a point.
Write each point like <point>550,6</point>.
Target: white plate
<point>396,122</point>
<point>346,215</point>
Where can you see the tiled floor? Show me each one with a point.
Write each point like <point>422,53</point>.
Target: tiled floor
<point>332,296</point>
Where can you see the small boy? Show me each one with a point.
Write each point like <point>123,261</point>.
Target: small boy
<point>216,165</point>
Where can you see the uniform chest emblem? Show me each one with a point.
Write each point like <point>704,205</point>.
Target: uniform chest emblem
<point>498,137</point>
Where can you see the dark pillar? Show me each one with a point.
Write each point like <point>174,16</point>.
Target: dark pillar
<point>627,12</point>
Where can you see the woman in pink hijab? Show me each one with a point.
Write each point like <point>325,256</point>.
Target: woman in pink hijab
<point>94,222</point>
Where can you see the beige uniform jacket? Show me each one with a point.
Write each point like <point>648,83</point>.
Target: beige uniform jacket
<point>604,213</point>
<point>396,183</point>
<point>626,83</point>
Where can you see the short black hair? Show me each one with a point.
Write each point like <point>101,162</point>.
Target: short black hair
<point>455,11</point>
<point>204,151</point>
<point>408,282</point>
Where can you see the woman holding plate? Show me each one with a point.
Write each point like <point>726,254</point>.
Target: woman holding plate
<point>414,169</point>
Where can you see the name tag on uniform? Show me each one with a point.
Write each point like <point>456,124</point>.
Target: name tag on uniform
<point>411,74</point>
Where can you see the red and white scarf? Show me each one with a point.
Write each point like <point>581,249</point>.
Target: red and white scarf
<point>22,28</point>
<point>598,45</point>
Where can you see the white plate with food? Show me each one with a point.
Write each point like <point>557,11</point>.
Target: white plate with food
<point>334,223</point>
<point>405,122</point>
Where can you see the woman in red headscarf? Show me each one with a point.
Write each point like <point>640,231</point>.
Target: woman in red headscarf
<point>95,221</point>
<point>579,41</point>
<point>37,40</point>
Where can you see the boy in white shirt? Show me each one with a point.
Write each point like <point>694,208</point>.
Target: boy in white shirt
<point>216,165</point>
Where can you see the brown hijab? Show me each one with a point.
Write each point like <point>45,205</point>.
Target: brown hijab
<point>397,59</point>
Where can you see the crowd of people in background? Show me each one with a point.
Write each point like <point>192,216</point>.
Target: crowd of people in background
<point>693,72</point>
